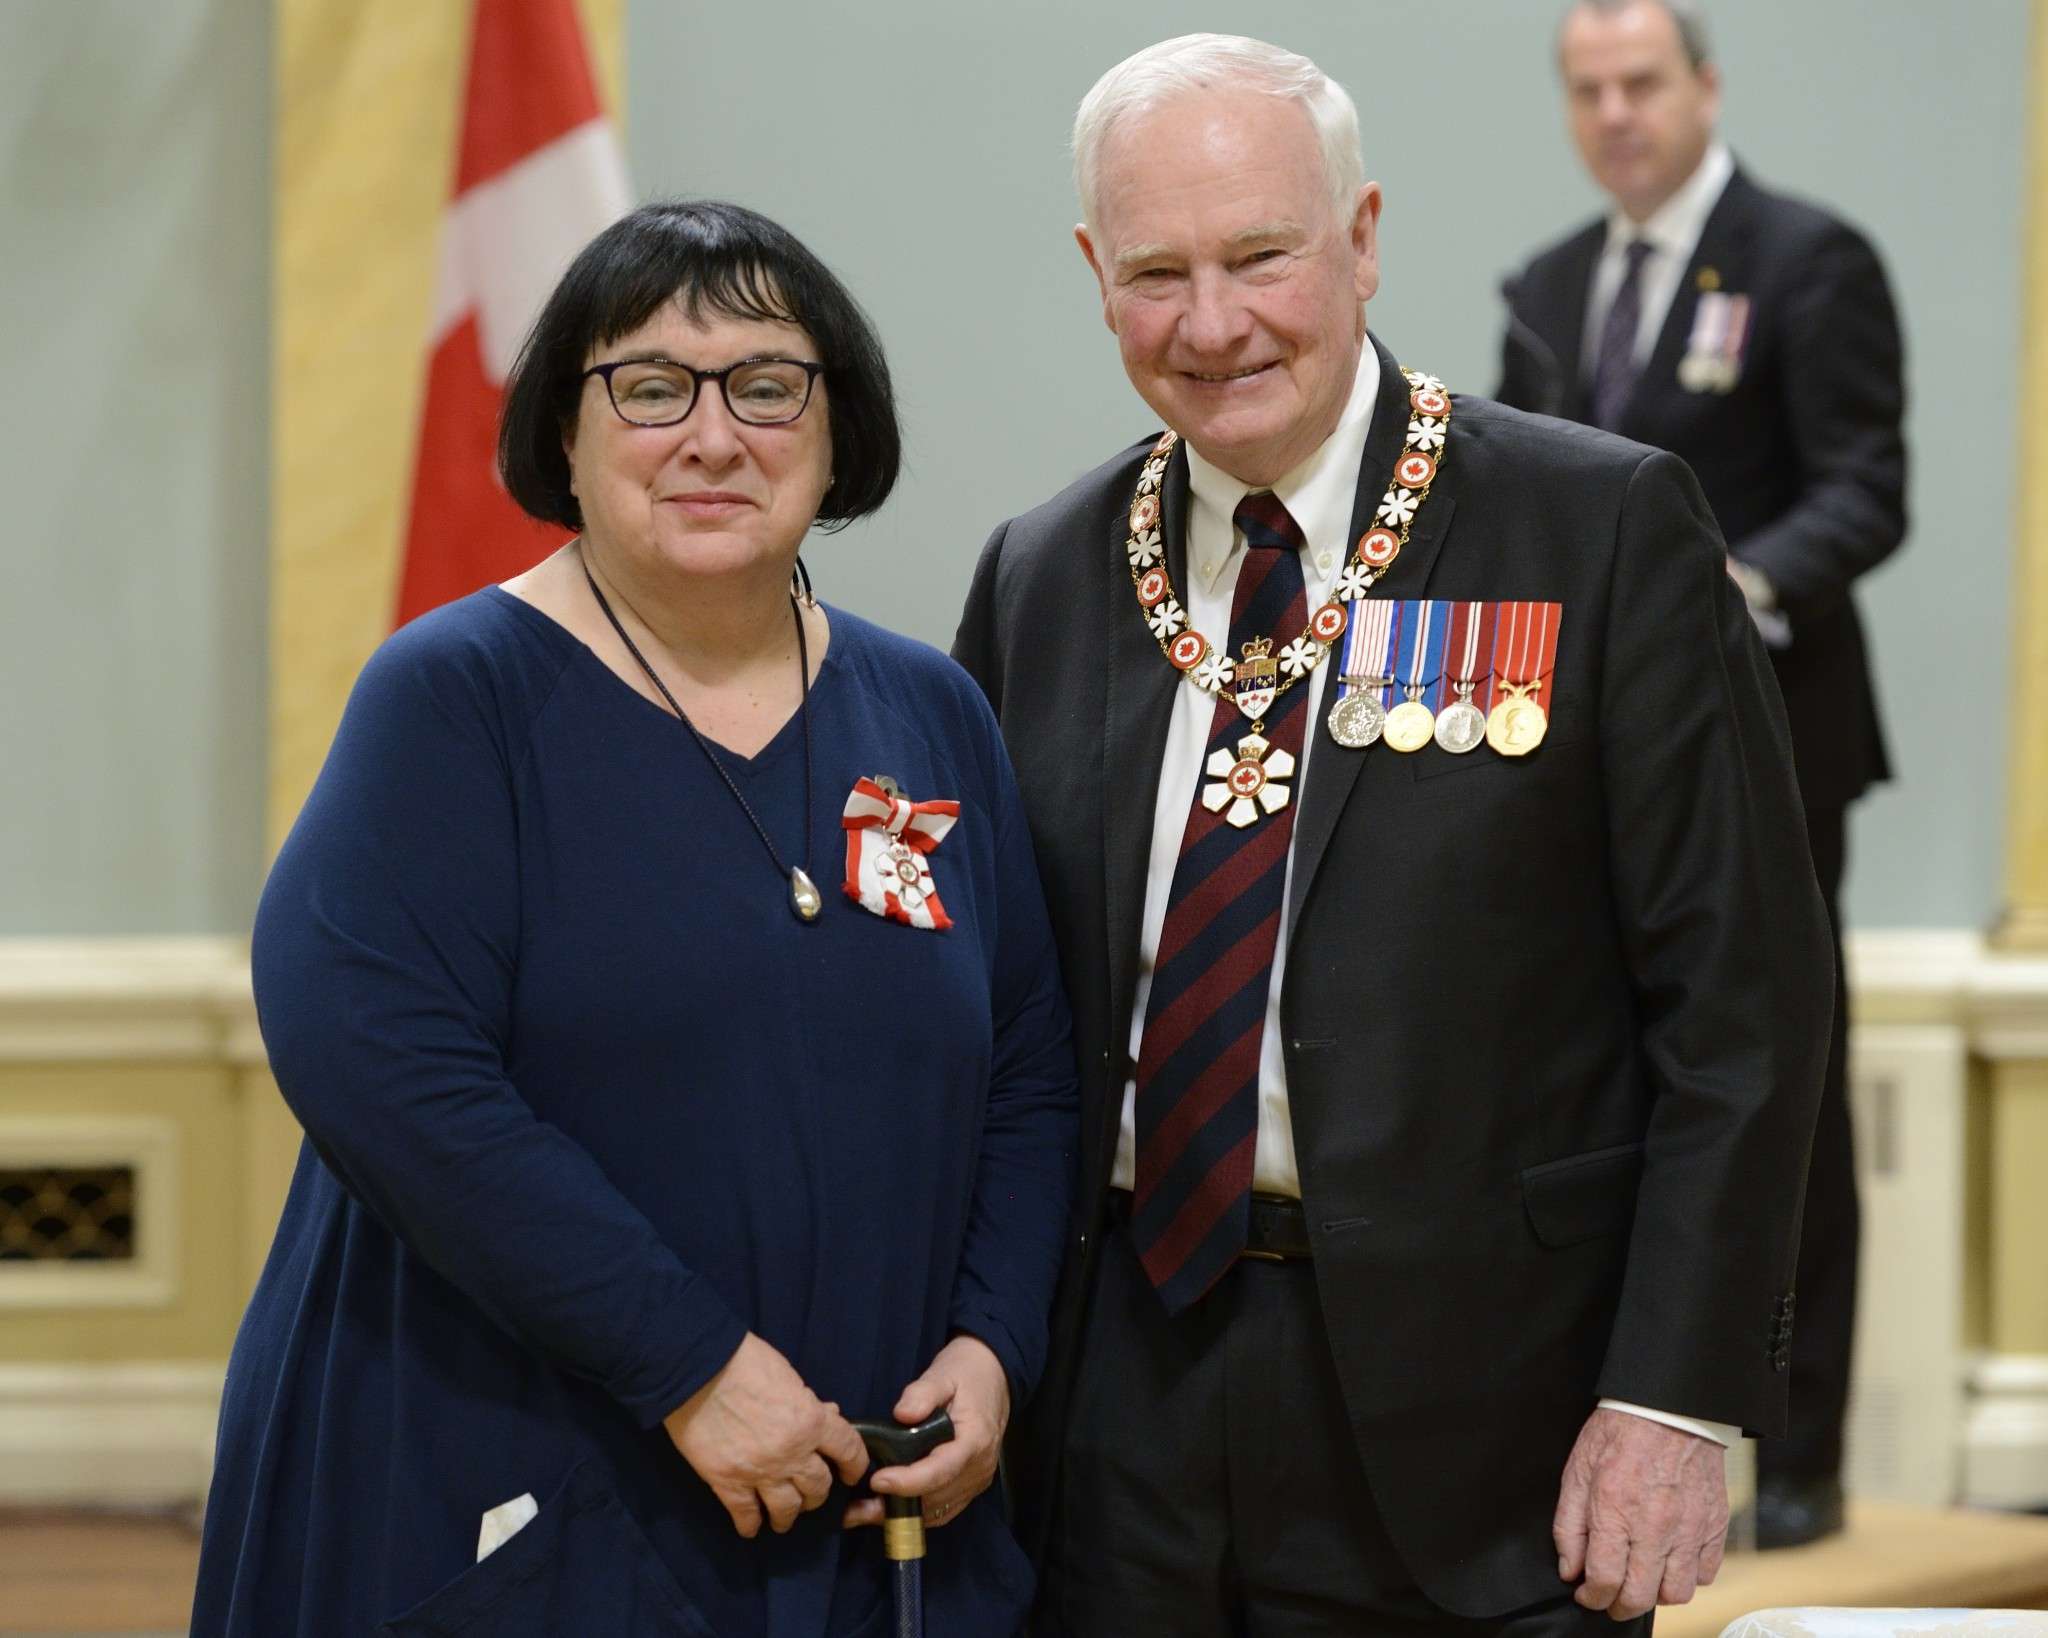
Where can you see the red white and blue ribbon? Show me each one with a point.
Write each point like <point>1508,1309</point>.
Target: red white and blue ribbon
<point>1419,647</point>
<point>1367,664</point>
<point>1713,353</point>
<point>889,840</point>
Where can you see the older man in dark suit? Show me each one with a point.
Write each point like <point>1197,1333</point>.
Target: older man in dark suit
<point>1754,336</point>
<point>1415,808</point>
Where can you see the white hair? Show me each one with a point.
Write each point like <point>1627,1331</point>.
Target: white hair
<point>1213,62</point>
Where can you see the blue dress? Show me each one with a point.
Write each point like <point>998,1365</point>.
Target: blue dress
<point>584,1103</point>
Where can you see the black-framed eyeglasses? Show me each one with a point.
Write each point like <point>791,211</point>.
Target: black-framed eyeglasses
<point>658,392</point>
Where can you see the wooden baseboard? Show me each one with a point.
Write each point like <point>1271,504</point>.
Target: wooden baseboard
<point>116,1000</point>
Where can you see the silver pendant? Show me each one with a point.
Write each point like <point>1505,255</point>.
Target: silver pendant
<point>804,897</point>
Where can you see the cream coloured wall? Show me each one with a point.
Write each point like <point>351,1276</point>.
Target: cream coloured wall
<point>120,1037</point>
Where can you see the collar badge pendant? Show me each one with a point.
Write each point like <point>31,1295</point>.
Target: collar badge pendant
<point>1256,682</point>
<point>1252,783</point>
<point>1244,786</point>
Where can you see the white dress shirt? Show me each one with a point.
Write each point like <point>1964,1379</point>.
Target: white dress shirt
<point>1319,495</point>
<point>1673,234</point>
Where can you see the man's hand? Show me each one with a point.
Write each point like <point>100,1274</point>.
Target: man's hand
<point>966,1379</point>
<point>1642,1514</point>
<point>760,1438</point>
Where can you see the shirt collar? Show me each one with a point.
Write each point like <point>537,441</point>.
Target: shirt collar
<point>1675,226</point>
<point>1318,494</point>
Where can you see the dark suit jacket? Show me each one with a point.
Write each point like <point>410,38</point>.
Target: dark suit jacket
<point>1803,462</point>
<point>1554,1026</point>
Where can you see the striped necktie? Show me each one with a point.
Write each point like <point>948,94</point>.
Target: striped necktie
<point>1614,366</point>
<point>1198,1061</point>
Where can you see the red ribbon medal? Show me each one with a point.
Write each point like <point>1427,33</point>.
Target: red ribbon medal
<point>1524,653</point>
<point>889,839</point>
<point>1468,666</point>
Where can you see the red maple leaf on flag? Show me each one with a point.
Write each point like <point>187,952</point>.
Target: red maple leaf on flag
<point>539,173</point>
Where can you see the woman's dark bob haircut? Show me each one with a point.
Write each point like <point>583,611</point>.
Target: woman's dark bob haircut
<point>711,258</point>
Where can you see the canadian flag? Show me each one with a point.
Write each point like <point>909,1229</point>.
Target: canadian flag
<point>540,173</point>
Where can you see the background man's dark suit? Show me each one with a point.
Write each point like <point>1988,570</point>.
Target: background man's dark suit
<point>1804,465</point>
<point>1553,1026</point>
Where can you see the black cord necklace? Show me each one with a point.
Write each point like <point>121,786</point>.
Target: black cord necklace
<point>804,897</point>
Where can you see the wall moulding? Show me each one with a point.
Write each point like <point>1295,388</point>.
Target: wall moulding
<point>1950,976</point>
<point>114,1000</point>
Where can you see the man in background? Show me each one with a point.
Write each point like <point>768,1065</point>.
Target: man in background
<point>1754,336</point>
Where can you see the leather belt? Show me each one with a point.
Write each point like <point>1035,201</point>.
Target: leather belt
<point>1276,1233</point>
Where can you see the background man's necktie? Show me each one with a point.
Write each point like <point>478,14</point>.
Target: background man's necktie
<point>1198,1062</point>
<point>1614,366</point>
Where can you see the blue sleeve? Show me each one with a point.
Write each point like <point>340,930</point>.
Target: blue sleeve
<point>385,954</point>
<point>1024,1177</point>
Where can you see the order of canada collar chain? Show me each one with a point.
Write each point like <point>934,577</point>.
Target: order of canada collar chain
<point>1212,670</point>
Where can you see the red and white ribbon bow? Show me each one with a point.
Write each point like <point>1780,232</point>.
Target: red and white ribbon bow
<point>888,842</point>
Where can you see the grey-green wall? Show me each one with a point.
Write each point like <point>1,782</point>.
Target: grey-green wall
<point>134,335</point>
<point>919,146</point>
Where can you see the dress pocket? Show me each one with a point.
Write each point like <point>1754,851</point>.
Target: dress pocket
<point>1583,1197</point>
<point>582,1566</point>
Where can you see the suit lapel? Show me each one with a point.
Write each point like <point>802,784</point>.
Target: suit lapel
<point>1561,315</point>
<point>1332,770</point>
<point>1138,709</point>
<point>1723,243</point>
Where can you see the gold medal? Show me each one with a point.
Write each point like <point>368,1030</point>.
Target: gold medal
<point>1410,726</point>
<point>1518,724</point>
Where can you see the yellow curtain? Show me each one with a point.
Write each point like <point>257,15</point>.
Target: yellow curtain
<point>367,96</point>
<point>2025,925</point>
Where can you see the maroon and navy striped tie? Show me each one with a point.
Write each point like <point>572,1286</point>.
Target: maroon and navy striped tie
<point>1198,1061</point>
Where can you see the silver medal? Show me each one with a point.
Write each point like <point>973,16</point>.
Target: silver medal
<point>1356,721</point>
<point>1460,727</point>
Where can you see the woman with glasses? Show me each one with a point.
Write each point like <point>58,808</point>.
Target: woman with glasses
<point>660,973</point>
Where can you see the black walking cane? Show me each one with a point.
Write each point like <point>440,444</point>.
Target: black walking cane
<point>890,1444</point>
